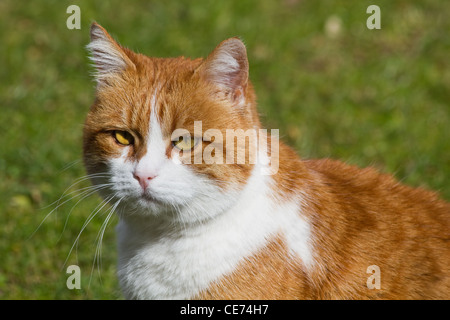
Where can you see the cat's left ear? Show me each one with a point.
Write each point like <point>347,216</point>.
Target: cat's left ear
<point>227,68</point>
<point>109,58</point>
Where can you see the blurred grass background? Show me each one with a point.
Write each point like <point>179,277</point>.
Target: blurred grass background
<point>332,87</point>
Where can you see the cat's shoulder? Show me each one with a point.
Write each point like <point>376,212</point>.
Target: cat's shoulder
<point>337,168</point>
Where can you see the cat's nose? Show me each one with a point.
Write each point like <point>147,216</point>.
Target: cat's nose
<point>143,178</point>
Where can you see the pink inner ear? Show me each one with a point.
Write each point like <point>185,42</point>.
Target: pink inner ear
<point>108,56</point>
<point>238,94</point>
<point>227,67</point>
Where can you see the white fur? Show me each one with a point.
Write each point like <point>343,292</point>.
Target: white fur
<point>155,157</point>
<point>224,65</point>
<point>106,57</point>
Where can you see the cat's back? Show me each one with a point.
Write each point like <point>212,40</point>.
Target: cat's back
<point>369,188</point>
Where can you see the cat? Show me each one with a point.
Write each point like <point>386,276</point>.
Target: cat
<point>311,229</point>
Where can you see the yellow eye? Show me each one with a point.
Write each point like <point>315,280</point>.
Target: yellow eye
<point>123,137</point>
<point>185,143</point>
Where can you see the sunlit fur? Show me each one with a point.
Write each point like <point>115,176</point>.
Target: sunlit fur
<point>213,231</point>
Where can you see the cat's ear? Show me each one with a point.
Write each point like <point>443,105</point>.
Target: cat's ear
<point>109,57</point>
<point>227,68</point>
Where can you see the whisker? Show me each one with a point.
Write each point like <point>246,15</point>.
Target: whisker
<point>88,220</point>
<point>86,190</point>
<point>77,181</point>
<point>70,165</point>
<point>99,239</point>
<point>93,190</point>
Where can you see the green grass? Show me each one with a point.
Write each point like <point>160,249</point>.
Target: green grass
<point>367,97</point>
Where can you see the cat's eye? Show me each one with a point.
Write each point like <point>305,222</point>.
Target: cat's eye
<point>123,137</point>
<point>186,143</point>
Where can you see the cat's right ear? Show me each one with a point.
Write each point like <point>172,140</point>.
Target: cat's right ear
<point>110,59</point>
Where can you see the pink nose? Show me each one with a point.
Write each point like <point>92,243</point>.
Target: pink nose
<point>143,179</point>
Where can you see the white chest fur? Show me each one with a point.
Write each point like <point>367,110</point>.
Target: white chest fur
<point>157,261</point>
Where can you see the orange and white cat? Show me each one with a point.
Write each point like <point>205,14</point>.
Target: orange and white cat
<point>218,230</point>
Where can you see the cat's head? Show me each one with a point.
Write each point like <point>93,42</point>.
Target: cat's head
<point>152,136</point>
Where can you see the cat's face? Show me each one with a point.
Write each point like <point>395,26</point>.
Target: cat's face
<point>153,122</point>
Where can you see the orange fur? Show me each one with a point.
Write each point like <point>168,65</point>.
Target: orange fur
<point>358,217</point>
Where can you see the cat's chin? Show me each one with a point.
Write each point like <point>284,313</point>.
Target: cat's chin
<point>146,205</point>
<point>150,199</point>
<point>150,205</point>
